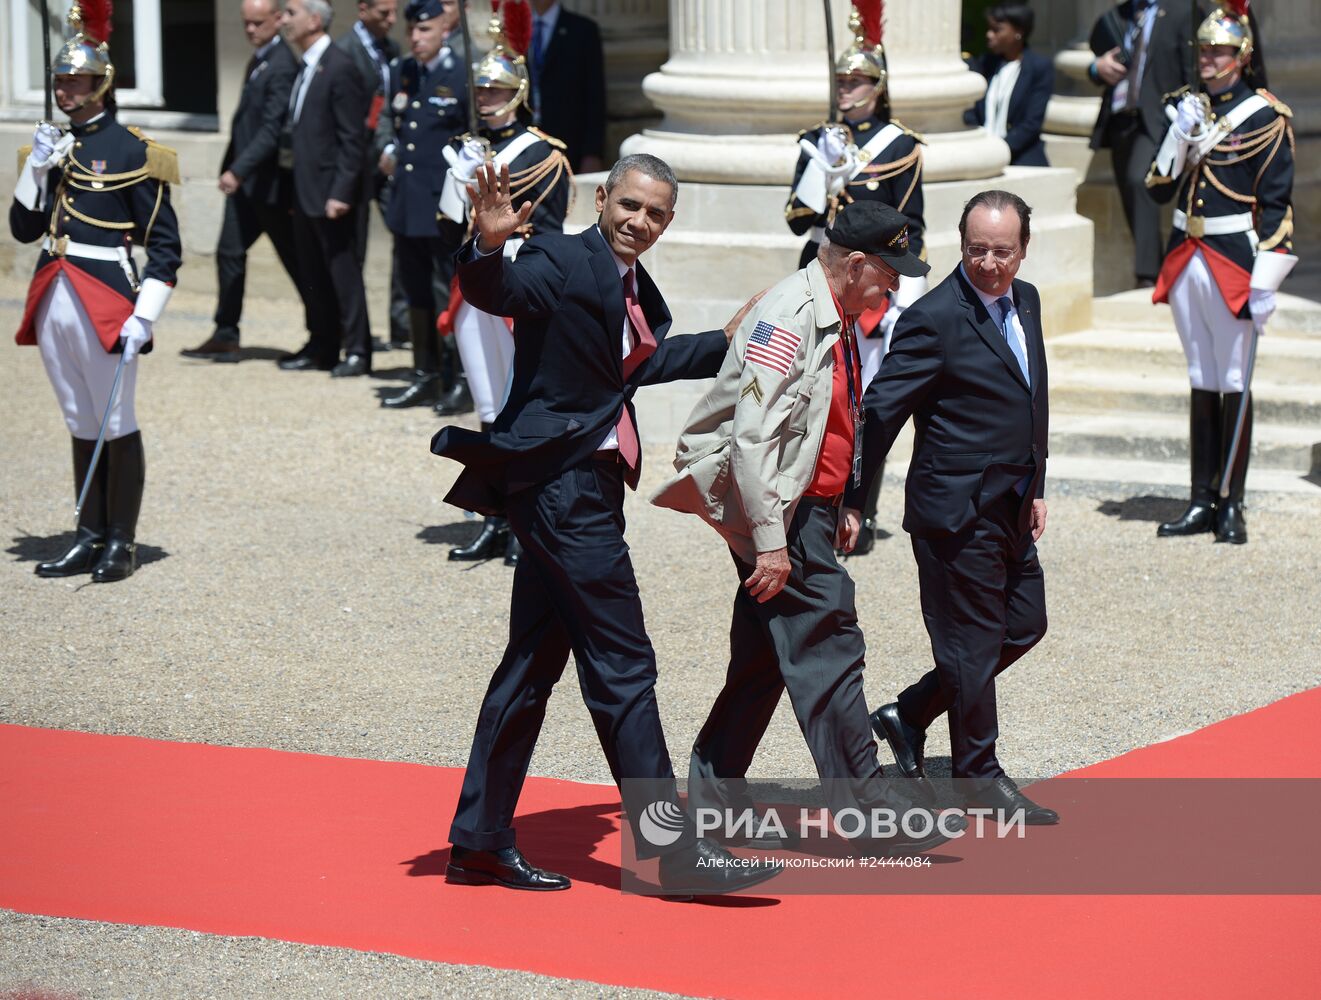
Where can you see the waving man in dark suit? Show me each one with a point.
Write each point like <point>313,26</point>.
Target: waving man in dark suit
<point>968,363</point>
<point>590,326</point>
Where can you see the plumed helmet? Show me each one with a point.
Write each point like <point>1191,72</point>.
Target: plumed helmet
<point>505,65</point>
<point>1228,24</point>
<point>866,55</point>
<point>87,51</point>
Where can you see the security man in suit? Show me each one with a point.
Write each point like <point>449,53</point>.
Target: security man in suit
<point>590,326</point>
<point>91,195</point>
<point>427,109</point>
<point>538,174</point>
<point>327,108</point>
<point>968,364</point>
<point>257,190</point>
<point>868,156</point>
<point>1227,162</point>
<point>567,66</point>
<point>765,459</point>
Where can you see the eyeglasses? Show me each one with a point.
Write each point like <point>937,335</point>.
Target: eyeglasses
<point>1002,255</point>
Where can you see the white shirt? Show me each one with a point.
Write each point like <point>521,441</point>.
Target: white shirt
<point>991,302</point>
<point>998,92</point>
<point>378,57</point>
<point>310,59</point>
<point>611,441</point>
<point>262,53</point>
<point>1137,61</point>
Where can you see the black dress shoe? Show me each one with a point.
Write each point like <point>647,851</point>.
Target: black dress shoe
<point>81,558</point>
<point>506,867</point>
<point>352,366</point>
<point>866,537</point>
<point>932,830</point>
<point>1002,794</point>
<point>423,392</point>
<point>1200,516</point>
<point>457,400</point>
<point>300,363</point>
<point>213,349</point>
<point>513,550</point>
<point>489,543</point>
<point>705,868</point>
<point>117,562</point>
<point>1230,526</point>
<point>908,746</point>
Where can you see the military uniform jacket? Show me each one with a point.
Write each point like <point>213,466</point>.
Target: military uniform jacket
<point>894,178</point>
<point>539,174</point>
<point>112,191</point>
<point>1249,171</point>
<point>752,443</point>
<point>426,110</point>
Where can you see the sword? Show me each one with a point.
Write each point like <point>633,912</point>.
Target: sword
<point>45,49</point>
<point>830,55</point>
<point>474,123</point>
<point>1242,412</point>
<point>100,439</point>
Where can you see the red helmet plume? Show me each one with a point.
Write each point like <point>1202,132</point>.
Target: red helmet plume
<point>96,18</point>
<point>518,25</point>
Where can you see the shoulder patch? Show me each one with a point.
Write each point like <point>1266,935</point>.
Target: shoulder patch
<point>162,161</point>
<point>558,144</point>
<point>1278,105</point>
<point>908,131</point>
<point>23,153</point>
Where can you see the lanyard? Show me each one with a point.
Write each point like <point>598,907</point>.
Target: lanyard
<point>852,367</point>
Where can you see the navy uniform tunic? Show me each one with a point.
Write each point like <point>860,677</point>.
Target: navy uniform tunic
<point>111,191</point>
<point>539,174</point>
<point>894,178</point>
<point>1250,170</point>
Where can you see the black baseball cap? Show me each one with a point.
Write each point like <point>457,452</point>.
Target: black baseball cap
<point>879,230</point>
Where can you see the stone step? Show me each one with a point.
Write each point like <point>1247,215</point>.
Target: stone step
<point>1151,437</point>
<point>1285,359</point>
<point>1066,474</point>
<point>1294,315</point>
<point>1083,390</point>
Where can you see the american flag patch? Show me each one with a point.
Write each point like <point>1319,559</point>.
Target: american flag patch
<point>772,347</point>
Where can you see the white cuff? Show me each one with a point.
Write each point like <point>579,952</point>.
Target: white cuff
<point>151,299</point>
<point>30,191</point>
<point>1270,269</point>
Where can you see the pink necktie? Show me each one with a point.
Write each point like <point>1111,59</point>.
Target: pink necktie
<point>644,346</point>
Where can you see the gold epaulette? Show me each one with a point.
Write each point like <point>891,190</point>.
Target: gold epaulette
<point>1278,105</point>
<point>908,131</point>
<point>23,153</point>
<point>796,213</point>
<point>162,161</point>
<point>1185,89</point>
<point>557,143</point>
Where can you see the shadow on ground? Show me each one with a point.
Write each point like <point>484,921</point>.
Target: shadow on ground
<point>40,548</point>
<point>1144,508</point>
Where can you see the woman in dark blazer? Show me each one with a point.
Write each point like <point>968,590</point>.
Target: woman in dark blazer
<point>1018,85</point>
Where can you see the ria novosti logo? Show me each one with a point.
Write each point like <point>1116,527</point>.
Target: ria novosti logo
<point>662,823</point>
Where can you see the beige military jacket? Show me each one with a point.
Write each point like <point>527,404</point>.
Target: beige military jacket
<point>751,445</point>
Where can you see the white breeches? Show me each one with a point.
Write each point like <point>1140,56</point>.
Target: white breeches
<point>79,369</point>
<point>1215,341</point>
<point>487,349</point>
<point>872,351</point>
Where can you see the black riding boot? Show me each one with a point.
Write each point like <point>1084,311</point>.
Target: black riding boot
<point>513,550</point>
<point>89,542</point>
<point>867,533</point>
<point>126,471</point>
<point>1230,526</point>
<point>456,398</point>
<point>1205,456</point>
<point>425,389</point>
<point>489,543</point>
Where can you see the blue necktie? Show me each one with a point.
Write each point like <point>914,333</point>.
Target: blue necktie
<point>1006,305</point>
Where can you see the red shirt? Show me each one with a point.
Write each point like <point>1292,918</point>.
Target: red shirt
<point>835,463</point>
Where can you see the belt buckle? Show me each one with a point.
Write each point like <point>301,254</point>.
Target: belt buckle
<point>59,246</point>
<point>1196,226</point>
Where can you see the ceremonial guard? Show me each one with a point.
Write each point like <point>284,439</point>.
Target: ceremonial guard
<point>91,195</point>
<point>1227,161</point>
<point>427,109</point>
<point>538,174</point>
<point>862,154</point>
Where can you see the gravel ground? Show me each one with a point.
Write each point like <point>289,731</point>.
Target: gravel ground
<point>295,594</point>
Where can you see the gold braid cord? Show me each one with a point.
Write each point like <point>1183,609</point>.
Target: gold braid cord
<point>883,172</point>
<point>1266,139</point>
<point>549,171</point>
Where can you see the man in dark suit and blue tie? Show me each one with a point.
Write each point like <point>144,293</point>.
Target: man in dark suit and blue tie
<point>257,191</point>
<point>567,65</point>
<point>590,326</point>
<point>968,364</point>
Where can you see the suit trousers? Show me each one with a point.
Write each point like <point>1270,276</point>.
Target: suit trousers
<point>574,590</point>
<point>332,286</point>
<point>805,640</point>
<point>244,220</point>
<point>984,603</point>
<point>1131,153</point>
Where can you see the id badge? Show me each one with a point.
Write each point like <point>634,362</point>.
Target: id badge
<point>857,451</point>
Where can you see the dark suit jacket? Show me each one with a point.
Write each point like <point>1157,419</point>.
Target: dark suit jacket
<point>329,136</point>
<point>567,302</point>
<point>1027,105</point>
<point>572,98</point>
<point>979,428</point>
<point>254,132</point>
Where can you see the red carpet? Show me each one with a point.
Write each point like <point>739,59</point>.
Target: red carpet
<point>351,853</point>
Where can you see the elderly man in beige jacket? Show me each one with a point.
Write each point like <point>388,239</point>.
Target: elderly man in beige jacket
<point>765,459</point>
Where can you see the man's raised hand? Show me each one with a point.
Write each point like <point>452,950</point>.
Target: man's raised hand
<point>494,217</point>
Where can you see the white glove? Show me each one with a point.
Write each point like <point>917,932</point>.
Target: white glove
<point>1189,115</point>
<point>831,144</point>
<point>1261,304</point>
<point>469,158</point>
<point>43,144</point>
<point>134,335</point>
